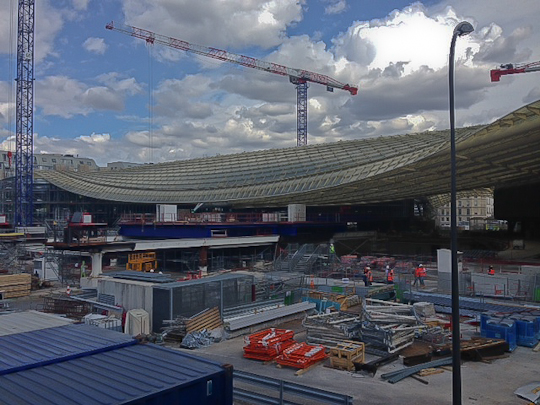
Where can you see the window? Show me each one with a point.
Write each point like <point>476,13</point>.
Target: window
<point>43,159</point>
<point>53,160</point>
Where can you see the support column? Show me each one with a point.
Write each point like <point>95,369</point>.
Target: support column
<point>203,260</point>
<point>97,264</point>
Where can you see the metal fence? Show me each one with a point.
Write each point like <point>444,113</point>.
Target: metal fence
<point>274,391</point>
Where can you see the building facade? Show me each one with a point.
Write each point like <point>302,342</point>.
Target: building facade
<point>472,212</point>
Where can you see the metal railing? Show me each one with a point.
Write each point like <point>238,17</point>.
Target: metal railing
<point>282,389</point>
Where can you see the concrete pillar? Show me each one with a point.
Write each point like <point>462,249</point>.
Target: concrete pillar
<point>203,260</point>
<point>97,264</point>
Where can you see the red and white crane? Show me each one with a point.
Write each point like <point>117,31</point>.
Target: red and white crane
<point>298,77</point>
<point>509,69</point>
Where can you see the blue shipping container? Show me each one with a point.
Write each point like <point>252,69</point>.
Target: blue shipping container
<point>139,374</point>
<point>45,346</point>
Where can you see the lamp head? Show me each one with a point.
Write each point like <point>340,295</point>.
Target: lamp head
<point>463,28</point>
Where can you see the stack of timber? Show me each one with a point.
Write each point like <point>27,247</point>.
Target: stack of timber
<point>268,344</point>
<point>346,354</point>
<point>388,325</point>
<point>331,329</point>
<point>301,355</point>
<point>209,319</point>
<point>15,285</point>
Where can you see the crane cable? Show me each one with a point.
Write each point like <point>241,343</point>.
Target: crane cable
<point>151,102</point>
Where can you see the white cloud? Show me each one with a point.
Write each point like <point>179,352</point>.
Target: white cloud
<point>95,45</point>
<point>80,4</point>
<point>227,24</point>
<point>335,6</point>
<point>95,138</point>
<point>66,97</point>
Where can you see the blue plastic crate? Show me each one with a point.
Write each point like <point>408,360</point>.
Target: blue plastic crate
<point>506,331</point>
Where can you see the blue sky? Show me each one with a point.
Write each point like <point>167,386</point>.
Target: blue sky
<point>107,96</point>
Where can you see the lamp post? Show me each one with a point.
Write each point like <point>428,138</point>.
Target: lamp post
<point>463,28</point>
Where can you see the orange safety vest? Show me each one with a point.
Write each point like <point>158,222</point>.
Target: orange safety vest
<point>390,276</point>
<point>491,271</point>
<point>369,276</point>
<point>420,272</point>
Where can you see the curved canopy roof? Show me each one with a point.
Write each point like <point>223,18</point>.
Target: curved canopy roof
<point>503,153</point>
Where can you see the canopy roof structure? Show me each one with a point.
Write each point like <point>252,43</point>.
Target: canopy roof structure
<point>504,153</point>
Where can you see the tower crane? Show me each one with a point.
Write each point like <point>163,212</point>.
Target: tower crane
<point>298,77</point>
<point>509,68</point>
<point>24,155</point>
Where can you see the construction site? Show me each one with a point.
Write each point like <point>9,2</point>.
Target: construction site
<point>334,273</point>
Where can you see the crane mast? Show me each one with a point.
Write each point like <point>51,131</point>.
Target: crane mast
<point>509,69</point>
<point>24,156</point>
<point>298,77</point>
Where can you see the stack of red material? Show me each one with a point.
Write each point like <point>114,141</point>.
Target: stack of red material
<point>301,355</point>
<point>267,344</point>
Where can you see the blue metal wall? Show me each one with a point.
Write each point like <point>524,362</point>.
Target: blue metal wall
<point>37,348</point>
<point>138,374</point>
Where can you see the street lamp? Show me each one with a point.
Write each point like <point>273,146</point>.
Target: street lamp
<point>463,28</point>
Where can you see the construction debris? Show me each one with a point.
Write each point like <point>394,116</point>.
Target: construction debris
<point>373,365</point>
<point>179,328</point>
<point>389,325</point>
<point>530,392</point>
<point>476,349</point>
<point>195,340</point>
<point>395,376</point>
<point>65,305</point>
<point>331,329</point>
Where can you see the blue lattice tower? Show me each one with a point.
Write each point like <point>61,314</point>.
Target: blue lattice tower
<point>24,156</point>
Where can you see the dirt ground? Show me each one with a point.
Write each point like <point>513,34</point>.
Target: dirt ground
<point>482,383</point>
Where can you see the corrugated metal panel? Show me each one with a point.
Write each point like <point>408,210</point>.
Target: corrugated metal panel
<point>244,322</point>
<point>128,294</point>
<point>143,374</point>
<point>33,349</point>
<point>27,321</point>
<point>141,276</point>
<point>221,277</point>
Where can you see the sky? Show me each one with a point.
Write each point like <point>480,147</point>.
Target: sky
<point>105,95</point>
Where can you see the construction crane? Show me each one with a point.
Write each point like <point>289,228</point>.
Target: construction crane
<point>509,69</point>
<point>298,77</point>
<point>24,155</point>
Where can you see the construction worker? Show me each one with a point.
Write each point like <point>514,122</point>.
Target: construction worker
<point>390,276</point>
<point>369,277</point>
<point>491,271</point>
<point>364,277</point>
<point>419,275</point>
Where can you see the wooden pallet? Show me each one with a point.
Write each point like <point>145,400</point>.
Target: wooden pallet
<point>344,363</point>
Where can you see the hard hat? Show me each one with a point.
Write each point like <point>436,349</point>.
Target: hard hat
<point>420,265</point>
<point>387,266</point>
